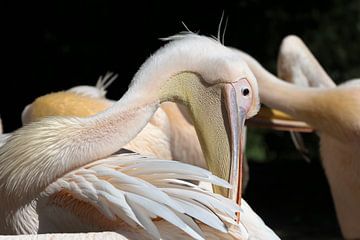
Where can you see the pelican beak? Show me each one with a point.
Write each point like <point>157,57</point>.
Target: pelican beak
<point>236,116</point>
<point>275,119</point>
<point>237,107</point>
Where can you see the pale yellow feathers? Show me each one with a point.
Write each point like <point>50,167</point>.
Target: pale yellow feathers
<point>66,104</point>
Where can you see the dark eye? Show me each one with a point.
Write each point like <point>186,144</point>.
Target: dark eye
<point>245,91</point>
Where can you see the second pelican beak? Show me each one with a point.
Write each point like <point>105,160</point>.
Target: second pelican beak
<point>275,119</point>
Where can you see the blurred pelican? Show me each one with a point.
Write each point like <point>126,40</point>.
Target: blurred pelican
<point>332,110</point>
<point>72,164</point>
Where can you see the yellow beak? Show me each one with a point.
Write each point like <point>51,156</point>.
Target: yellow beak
<point>275,119</point>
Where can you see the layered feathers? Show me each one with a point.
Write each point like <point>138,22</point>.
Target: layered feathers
<point>138,189</point>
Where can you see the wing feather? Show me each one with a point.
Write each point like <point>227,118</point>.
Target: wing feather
<point>203,214</point>
<point>135,185</point>
<point>207,200</point>
<point>137,189</point>
<point>145,218</point>
<point>163,212</point>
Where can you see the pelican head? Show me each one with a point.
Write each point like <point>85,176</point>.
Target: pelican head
<point>219,91</point>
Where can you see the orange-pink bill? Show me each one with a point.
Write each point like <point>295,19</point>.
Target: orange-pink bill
<point>237,105</point>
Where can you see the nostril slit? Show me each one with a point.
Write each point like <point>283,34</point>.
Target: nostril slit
<point>245,91</point>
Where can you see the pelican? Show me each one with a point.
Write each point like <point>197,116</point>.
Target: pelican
<point>74,163</point>
<point>333,111</point>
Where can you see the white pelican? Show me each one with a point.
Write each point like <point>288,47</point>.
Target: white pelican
<point>138,196</point>
<point>332,110</point>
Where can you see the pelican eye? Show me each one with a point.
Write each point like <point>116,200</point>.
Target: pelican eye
<point>245,91</point>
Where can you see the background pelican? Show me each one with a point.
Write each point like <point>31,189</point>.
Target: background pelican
<point>196,71</point>
<point>332,111</point>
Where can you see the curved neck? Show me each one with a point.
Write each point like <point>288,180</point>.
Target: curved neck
<point>297,64</point>
<point>39,153</point>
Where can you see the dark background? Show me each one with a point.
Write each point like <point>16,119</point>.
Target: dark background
<point>54,46</point>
